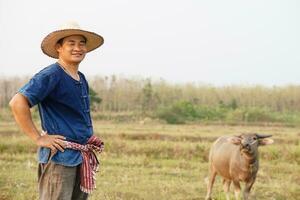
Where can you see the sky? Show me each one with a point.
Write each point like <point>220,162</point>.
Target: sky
<point>180,41</point>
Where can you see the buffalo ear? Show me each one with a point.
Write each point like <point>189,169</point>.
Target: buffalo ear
<point>234,140</point>
<point>265,141</point>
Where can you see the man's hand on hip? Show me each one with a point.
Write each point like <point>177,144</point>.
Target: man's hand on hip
<point>54,142</point>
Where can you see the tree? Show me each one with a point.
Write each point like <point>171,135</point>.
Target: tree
<point>94,99</point>
<point>147,96</point>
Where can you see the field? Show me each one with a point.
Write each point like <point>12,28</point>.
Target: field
<point>157,161</point>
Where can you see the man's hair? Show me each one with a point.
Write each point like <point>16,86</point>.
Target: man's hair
<point>60,41</point>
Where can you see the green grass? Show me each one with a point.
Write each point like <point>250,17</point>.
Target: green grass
<point>157,161</point>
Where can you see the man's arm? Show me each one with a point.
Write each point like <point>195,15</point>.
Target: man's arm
<point>21,111</point>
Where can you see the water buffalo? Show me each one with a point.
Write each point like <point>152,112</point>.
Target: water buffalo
<point>235,159</point>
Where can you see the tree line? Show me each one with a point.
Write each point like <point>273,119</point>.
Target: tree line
<point>119,94</point>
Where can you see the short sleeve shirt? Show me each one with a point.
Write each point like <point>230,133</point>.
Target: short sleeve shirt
<point>64,109</point>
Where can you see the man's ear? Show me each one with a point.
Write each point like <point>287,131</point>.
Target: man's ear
<point>265,141</point>
<point>57,47</point>
<point>234,140</point>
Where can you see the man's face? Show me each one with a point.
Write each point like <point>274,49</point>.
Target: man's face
<point>72,49</point>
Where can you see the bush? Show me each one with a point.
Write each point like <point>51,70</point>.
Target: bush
<point>211,113</point>
<point>178,113</point>
<point>170,117</point>
<point>183,111</point>
<point>289,118</point>
<point>251,114</point>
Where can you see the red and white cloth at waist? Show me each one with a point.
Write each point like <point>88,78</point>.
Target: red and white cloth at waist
<point>90,163</point>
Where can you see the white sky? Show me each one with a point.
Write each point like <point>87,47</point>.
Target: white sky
<point>217,42</point>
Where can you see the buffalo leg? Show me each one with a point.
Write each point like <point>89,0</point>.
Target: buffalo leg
<point>247,189</point>
<point>237,189</point>
<point>226,187</point>
<point>210,184</point>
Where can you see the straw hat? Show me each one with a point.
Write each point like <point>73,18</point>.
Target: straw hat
<point>93,40</point>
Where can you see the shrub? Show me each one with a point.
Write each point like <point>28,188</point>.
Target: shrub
<point>178,113</point>
<point>211,113</point>
<point>183,111</point>
<point>251,114</point>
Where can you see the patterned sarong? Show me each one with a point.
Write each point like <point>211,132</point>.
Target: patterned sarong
<point>90,163</point>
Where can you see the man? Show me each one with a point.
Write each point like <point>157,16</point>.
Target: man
<point>66,163</point>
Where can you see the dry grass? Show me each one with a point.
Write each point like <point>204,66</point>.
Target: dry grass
<point>157,161</point>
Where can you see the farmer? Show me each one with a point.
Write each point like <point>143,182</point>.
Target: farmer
<point>66,163</point>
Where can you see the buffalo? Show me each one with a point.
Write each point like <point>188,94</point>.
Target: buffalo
<point>235,159</point>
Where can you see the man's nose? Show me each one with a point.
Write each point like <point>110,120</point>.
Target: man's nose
<point>77,47</point>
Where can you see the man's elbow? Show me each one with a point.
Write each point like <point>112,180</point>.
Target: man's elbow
<point>12,102</point>
<point>17,100</point>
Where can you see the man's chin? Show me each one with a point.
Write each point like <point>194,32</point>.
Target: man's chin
<point>77,60</point>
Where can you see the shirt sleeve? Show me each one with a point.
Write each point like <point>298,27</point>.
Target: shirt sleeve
<point>39,87</point>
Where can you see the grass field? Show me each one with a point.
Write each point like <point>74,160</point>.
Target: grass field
<point>157,161</point>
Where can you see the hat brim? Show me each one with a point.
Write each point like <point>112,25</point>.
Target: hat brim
<point>93,40</point>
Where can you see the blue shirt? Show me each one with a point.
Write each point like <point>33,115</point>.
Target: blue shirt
<point>63,104</point>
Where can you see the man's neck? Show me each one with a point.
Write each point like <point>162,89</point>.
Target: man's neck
<point>71,68</point>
